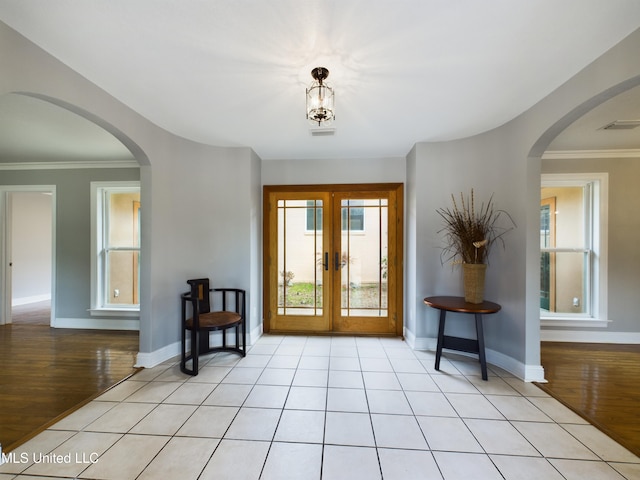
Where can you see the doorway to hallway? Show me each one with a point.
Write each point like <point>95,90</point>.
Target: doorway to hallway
<point>27,257</point>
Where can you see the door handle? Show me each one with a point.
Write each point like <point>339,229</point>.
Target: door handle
<point>336,261</point>
<point>325,264</point>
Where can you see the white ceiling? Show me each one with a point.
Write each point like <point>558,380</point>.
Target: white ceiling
<point>233,73</point>
<point>588,133</point>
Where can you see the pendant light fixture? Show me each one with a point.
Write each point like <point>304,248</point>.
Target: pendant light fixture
<point>320,99</point>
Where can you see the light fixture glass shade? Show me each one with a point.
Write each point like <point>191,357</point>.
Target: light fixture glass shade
<point>320,99</point>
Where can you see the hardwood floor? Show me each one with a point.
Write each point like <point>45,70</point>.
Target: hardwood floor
<point>600,382</point>
<point>47,372</point>
<point>38,313</point>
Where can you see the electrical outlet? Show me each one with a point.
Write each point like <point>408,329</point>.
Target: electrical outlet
<point>576,302</point>
<point>116,293</point>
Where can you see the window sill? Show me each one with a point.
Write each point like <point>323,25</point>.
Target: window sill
<point>576,322</point>
<point>132,312</point>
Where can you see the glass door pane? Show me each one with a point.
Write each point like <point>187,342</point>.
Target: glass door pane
<point>300,257</point>
<point>364,226</point>
<point>547,258</point>
<point>297,268</point>
<point>363,258</point>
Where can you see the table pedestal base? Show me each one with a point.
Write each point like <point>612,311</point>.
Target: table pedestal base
<point>462,344</point>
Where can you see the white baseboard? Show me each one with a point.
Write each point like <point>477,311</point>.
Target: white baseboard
<point>97,323</point>
<point>534,373</point>
<point>589,337</point>
<point>254,335</point>
<point>410,338</point>
<point>15,302</point>
<point>420,343</point>
<point>528,373</point>
<point>152,359</point>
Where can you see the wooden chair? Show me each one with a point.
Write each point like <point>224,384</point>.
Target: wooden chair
<point>231,314</point>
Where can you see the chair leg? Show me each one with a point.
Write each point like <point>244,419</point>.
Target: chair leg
<point>183,350</point>
<point>244,339</point>
<point>194,351</point>
<point>203,341</point>
<point>193,354</point>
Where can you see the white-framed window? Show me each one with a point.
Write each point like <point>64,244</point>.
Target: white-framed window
<point>115,248</point>
<point>573,249</point>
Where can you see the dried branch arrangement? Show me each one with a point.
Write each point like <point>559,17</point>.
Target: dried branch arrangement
<point>470,233</point>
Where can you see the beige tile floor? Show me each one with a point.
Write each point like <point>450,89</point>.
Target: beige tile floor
<point>323,407</point>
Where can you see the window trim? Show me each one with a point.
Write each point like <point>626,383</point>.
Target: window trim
<point>98,307</point>
<point>597,211</point>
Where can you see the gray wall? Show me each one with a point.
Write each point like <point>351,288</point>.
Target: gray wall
<point>506,161</point>
<point>204,224</point>
<point>202,203</point>
<point>73,228</point>
<point>322,171</point>
<point>481,163</point>
<point>624,230</point>
<point>412,238</point>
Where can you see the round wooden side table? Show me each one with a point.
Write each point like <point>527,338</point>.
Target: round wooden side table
<point>458,305</point>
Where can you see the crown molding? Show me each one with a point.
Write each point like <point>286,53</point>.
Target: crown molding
<point>583,154</point>
<point>68,165</point>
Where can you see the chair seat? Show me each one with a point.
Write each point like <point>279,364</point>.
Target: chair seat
<point>216,320</point>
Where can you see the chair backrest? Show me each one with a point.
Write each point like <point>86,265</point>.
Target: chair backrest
<point>200,293</point>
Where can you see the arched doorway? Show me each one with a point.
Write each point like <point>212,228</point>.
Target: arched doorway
<point>58,150</point>
<point>590,348</point>
<point>44,147</point>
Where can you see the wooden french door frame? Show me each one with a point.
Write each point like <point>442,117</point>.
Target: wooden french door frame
<point>331,320</point>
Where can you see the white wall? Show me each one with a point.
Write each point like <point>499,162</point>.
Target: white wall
<point>31,247</point>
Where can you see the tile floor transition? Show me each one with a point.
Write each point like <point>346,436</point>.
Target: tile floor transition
<point>323,407</point>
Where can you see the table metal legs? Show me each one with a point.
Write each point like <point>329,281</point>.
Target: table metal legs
<point>462,344</point>
<point>480,335</point>
<point>443,315</point>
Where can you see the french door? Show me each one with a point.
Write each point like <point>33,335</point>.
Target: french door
<point>333,259</point>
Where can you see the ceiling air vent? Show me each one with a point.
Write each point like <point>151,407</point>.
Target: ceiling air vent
<point>322,132</point>
<point>622,125</point>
